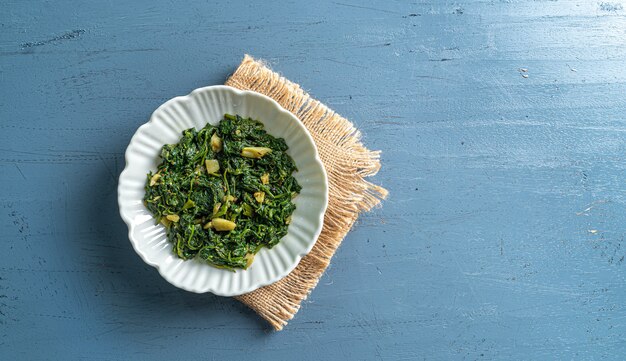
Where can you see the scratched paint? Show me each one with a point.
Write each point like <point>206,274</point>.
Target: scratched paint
<point>55,39</point>
<point>501,239</point>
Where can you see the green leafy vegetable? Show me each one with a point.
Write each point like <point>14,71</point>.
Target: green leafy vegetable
<point>224,192</point>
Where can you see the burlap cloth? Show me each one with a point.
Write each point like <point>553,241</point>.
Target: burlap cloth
<point>347,163</point>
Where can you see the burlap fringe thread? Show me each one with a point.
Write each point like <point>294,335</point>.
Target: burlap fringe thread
<point>346,161</point>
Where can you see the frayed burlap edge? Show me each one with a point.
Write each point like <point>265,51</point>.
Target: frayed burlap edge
<point>347,162</point>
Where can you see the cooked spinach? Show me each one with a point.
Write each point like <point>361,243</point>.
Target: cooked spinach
<point>224,192</point>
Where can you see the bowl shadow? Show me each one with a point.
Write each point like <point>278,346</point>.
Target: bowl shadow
<point>126,291</point>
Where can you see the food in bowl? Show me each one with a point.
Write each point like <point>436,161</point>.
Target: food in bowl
<point>224,192</point>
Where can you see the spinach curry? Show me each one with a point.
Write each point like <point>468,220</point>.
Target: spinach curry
<point>224,192</point>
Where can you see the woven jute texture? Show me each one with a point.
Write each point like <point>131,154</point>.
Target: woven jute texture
<point>347,163</point>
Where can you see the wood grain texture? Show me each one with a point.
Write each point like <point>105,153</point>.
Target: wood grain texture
<point>502,128</point>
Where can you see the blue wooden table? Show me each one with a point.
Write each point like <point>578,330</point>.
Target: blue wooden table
<point>502,129</point>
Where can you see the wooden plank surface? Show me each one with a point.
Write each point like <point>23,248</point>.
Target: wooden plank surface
<point>502,129</point>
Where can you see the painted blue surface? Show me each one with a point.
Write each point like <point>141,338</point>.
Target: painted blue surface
<point>502,236</point>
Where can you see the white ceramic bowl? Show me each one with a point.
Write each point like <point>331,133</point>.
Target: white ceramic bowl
<point>194,110</point>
